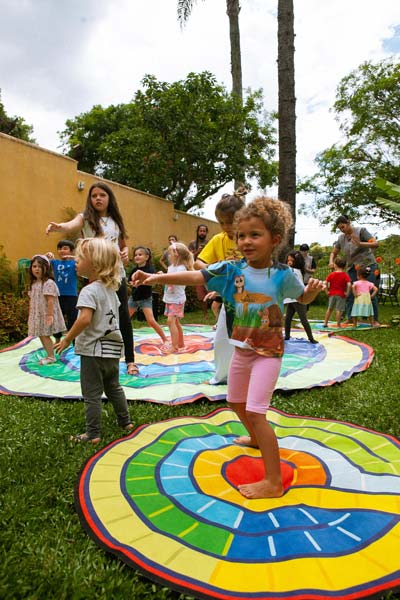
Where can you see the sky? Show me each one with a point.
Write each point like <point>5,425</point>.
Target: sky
<point>58,59</point>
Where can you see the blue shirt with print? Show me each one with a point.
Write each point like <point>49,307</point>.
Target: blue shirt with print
<point>65,277</point>
<point>253,300</point>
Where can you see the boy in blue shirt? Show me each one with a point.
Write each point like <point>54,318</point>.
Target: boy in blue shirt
<point>65,276</point>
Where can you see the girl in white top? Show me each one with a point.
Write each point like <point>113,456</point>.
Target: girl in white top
<point>179,259</point>
<point>295,260</point>
<point>102,218</point>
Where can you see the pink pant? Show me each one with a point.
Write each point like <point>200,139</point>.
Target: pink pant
<point>252,379</point>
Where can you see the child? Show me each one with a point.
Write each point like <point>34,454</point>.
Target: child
<point>102,218</point>
<point>45,316</point>
<point>221,247</point>
<point>339,287</point>
<point>362,288</point>
<point>179,259</point>
<point>98,338</point>
<point>172,239</point>
<point>253,290</point>
<point>141,296</point>
<point>295,261</point>
<point>64,269</point>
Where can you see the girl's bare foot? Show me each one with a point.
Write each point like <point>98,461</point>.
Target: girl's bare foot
<point>128,427</point>
<point>261,489</point>
<point>245,440</point>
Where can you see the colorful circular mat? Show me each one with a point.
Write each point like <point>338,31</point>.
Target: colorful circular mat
<point>164,500</point>
<point>180,378</point>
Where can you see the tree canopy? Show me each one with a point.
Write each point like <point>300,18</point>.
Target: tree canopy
<point>15,126</point>
<point>182,141</point>
<point>367,108</point>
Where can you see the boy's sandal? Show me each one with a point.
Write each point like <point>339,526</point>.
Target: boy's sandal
<point>132,369</point>
<point>83,437</point>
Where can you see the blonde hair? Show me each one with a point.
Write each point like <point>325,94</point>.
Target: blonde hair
<point>275,215</point>
<point>182,255</point>
<point>105,259</point>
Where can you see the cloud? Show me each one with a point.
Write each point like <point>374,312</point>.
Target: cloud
<point>58,59</point>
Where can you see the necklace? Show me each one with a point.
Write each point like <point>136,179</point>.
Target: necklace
<point>104,220</point>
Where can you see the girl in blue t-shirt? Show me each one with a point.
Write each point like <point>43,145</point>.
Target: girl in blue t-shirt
<point>253,290</point>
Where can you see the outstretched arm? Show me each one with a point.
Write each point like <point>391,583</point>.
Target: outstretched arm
<point>180,278</point>
<point>72,226</point>
<point>311,291</point>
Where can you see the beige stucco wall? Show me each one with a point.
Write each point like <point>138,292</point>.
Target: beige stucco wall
<point>37,185</point>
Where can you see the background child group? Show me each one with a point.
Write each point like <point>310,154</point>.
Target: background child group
<point>239,270</point>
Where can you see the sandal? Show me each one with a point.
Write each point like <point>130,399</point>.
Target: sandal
<point>83,437</point>
<point>132,369</point>
<point>129,427</point>
<point>47,361</point>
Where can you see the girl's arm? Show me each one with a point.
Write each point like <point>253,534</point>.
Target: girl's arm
<point>123,250</point>
<point>49,309</point>
<point>199,264</point>
<point>179,278</point>
<point>374,291</point>
<point>311,291</point>
<point>83,320</point>
<point>72,226</point>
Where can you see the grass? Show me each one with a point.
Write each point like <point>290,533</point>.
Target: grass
<point>46,554</point>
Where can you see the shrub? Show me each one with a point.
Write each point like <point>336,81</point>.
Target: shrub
<point>8,275</point>
<point>14,318</point>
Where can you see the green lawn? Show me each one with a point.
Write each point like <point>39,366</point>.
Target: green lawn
<point>45,553</point>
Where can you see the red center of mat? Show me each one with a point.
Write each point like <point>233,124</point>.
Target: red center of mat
<point>247,469</point>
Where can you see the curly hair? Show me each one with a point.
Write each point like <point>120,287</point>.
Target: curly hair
<point>275,215</point>
<point>105,259</point>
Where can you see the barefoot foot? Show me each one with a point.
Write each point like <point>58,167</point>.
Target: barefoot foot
<point>245,440</point>
<point>261,489</point>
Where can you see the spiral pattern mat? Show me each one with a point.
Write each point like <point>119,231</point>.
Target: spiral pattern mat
<point>179,378</point>
<point>165,501</point>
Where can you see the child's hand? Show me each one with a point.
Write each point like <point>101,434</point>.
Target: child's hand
<point>49,320</point>
<point>50,255</point>
<point>315,285</point>
<point>61,346</point>
<point>139,277</point>
<point>210,296</point>
<point>53,227</point>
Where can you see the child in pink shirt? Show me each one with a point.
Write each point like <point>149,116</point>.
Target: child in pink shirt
<point>362,288</point>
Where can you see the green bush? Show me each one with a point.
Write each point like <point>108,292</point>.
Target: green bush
<point>14,318</point>
<point>8,275</point>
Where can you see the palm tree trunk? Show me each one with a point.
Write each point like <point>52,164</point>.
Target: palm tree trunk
<point>232,10</point>
<point>287,109</point>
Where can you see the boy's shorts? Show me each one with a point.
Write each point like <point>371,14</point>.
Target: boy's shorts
<point>174,310</point>
<point>337,301</point>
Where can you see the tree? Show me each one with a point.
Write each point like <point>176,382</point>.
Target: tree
<point>391,204</point>
<point>15,126</point>
<point>182,141</point>
<point>367,108</point>
<point>287,109</point>
<point>232,9</point>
